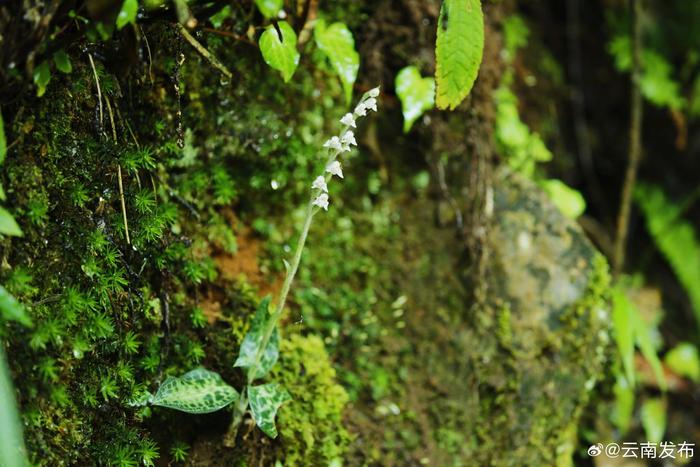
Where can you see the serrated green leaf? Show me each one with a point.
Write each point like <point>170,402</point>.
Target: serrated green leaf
<point>264,401</point>
<point>459,50</point>
<point>127,15</point>
<point>653,416</point>
<point>198,391</point>
<point>8,225</point>
<point>417,95</point>
<point>11,309</point>
<point>269,8</point>
<point>42,77</point>
<point>569,201</point>
<point>62,61</point>
<point>253,340</point>
<point>280,52</point>
<point>338,44</point>
<point>684,360</point>
<point>3,141</point>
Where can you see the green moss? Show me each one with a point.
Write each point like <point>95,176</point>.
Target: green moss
<point>311,425</point>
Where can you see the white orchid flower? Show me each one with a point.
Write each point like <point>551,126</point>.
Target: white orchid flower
<point>333,143</point>
<point>322,201</point>
<point>348,120</point>
<point>349,138</point>
<point>334,168</point>
<point>320,184</point>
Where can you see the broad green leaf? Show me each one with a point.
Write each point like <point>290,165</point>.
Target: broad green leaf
<point>3,141</point>
<point>128,13</point>
<point>569,201</point>
<point>62,61</point>
<point>264,402</point>
<point>269,8</point>
<point>12,451</point>
<point>338,44</point>
<point>653,416</point>
<point>11,309</point>
<point>458,51</point>
<point>417,95</point>
<point>8,225</point>
<point>280,52</point>
<point>218,19</point>
<point>42,77</point>
<point>624,327</point>
<point>253,340</point>
<point>199,391</point>
<point>684,360</point>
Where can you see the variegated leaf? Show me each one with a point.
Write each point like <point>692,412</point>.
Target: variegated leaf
<point>198,391</point>
<point>253,341</point>
<point>264,402</point>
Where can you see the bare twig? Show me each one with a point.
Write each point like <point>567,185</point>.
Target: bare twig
<point>203,51</point>
<point>635,148</point>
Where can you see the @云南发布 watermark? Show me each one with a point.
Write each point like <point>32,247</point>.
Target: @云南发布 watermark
<point>645,450</point>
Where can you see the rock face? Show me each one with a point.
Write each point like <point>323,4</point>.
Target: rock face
<point>546,325</point>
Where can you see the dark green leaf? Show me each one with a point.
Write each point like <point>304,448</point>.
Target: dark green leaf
<point>280,52</point>
<point>264,402</point>
<point>459,49</point>
<point>624,328</point>
<point>199,391</point>
<point>62,61</point>
<point>42,77</point>
<point>253,340</point>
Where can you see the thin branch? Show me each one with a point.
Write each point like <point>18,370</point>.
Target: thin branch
<point>203,51</point>
<point>635,148</point>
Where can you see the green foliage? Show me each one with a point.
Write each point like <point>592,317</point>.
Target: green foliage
<point>269,8</point>
<point>11,309</point>
<point>569,201</point>
<point>684,360</point>
<point>311,425</point>
<point>623,407</point>
<point>623,323</point>
<point>458,51</point>
<point>198,391</point>
<point>675,238</point>
<point>3,141</point>
<point>62,61</point>
<point>653,416</point>
<point>127,14</point>
<point>253,340</point>
<point>264,401</point>
<point>8,225</point>
<point>417,94</point>
<point>12,451</point>
<point>657,83</point>
<point>42,77</point>
<point>279,49</point>
<point>338,44</point>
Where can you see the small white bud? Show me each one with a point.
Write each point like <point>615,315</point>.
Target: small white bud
<point>348,120</point>
<point>346,148</point>
<point>334,168</point>
<point>321,201</point>
<point>360,110</point>
<point>333,143</point>
<point>371,104</point>
<point>349,138</point>
<point>374,92</point>
<point>320,184</point>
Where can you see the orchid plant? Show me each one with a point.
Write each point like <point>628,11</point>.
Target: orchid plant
<point>203,391</point>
